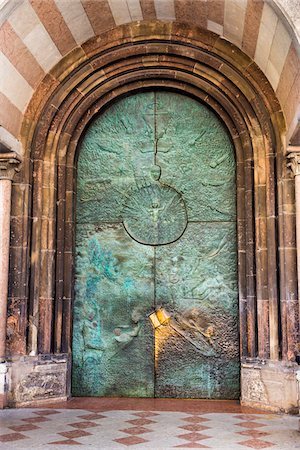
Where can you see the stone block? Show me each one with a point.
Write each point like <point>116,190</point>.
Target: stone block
<point>272,386</point>
<point>38,379</point>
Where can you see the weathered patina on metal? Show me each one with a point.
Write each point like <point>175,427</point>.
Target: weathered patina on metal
<point>156,227</point>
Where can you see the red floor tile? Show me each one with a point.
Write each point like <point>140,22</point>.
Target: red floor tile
<point>75,434</point>
<point>92,416</point>
<point>195,419</point>
<point>140,422</point>
<point>194,427</point>
<point>191,445</point>
<point>46,412</point>
<point>145,414</point>
<point>131,440</point>
<point>36,419</point>
<point>193,436</point>
<point>86,424</point>
<point>245,417</point>
<point>12,437</point>
<point>66,442</point>
<point>136,430</point>
<point>254,433</point>
<point>25,427</point>
<point>256,443</point>
<point>250,424</point>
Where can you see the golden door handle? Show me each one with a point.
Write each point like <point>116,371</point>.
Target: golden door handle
<point>159,317</point>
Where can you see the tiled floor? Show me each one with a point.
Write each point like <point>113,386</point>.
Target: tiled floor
<point>159,425</point>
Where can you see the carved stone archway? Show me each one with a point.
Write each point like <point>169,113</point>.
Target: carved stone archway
<point>130,58</point>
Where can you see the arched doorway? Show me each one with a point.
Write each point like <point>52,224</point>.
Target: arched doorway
<point>156,242</point>
<point>142,57</point>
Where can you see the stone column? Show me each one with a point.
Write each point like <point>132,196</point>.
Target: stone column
<point>294,164</point>
<point>9,164</point>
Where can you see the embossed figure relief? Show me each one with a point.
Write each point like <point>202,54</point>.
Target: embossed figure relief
<point>156,306</point>
<point>155,214</point>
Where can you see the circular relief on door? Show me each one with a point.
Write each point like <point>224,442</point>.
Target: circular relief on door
<point>155,215</point>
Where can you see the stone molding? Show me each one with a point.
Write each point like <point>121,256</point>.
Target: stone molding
<point>9,165</point>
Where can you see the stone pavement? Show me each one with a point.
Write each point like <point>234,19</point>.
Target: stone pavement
<point>172,424</point>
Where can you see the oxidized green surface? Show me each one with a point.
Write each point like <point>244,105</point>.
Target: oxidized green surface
<point>155,214</point>
<point>156,227</point>
<point>196,284</point>
<point>114,295</point>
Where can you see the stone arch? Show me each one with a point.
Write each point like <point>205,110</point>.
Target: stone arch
<point>266,30</point>
<point>127,59</point>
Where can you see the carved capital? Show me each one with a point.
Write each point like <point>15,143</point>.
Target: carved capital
<point>9,165</point>
<point>294,162</point>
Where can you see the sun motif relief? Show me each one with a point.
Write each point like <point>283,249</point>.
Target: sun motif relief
<point>155,214</point>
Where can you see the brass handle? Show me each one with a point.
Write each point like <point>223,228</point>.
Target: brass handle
<point>159,317</point>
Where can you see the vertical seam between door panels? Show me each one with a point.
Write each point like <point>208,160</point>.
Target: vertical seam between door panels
<point>154,331</point>
<point>154,249</point>
<point>155,127</point>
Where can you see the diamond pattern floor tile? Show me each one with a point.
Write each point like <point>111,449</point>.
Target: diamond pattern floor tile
<point>12,437</point>
<point>254,433</point>
<point>147,430</point>
<point>193,436</point>
<point>195,419</point>
<point>192,445</point>
<point>250,424</point>
<point>92,416</point>
<point>75,434</point>
<point>146,414</point>
<point>257,444</point>
<point>46,412</point>
<point>136,430</point>
<point>66,442</point>
<point>140,422</point>
<point>194,427</point>
<point>246,417</point>
<point>25,427</point>
<point>131,440</point>
<point>36,419</point>
<point>86,424</point>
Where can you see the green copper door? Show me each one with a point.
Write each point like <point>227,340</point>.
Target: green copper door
<point>155,310</point>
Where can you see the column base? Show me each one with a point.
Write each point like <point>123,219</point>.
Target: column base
<point>3,384</point>
<point>38,380</point>
<point>272,386</point>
